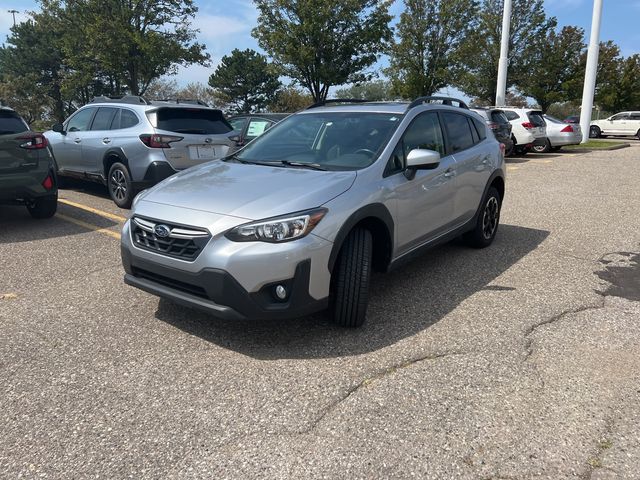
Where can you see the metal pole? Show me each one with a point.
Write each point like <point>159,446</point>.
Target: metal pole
<point>13,12</point>
<point>501,89</point>
<point>591,71</point>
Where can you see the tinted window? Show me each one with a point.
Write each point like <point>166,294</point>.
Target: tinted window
<point>425,133</point>
<point>80,121</point>
<point>620,116</point>
<point>536,119</point>
<point>238,123</point>
<point>190,120</point>
<point>128,119</point>
<point>333,140</point>
<point>635,116</point>
<point>511,115</point>
<point>480,128</point>
<point>256,128</point>
<point>103,118</point>
<point>11,123</point>
<point>499,117</point>
<point>458,130</point>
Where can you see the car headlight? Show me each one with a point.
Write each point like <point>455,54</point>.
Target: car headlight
<point>278,229</point>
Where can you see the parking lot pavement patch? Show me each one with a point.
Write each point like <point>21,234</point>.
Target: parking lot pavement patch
<point>89,226</point>
<point>622,272</point>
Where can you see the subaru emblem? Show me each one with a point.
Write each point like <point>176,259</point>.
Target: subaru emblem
<point>161,231</point>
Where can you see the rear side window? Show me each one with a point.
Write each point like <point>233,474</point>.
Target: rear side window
<point>190,120</point>
<point>128,119</point>
<point>536,119</point>
<point>635,116</point>
<point>11,123</point>
<point>458,130</point>
<point>256,128</point>
<point>80,120</point>
<point>511,115</point>
<point>103,118</point>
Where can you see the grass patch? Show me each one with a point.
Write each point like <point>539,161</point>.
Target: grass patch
<point>594,145</point>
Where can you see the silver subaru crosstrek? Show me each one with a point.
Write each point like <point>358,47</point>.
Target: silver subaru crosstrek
<point>129,143</point>
<point>296,221</point>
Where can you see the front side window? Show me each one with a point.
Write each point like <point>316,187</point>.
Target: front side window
<point>458,131</point>
<point>423,133</point>
<point>620,116</point>
<point>79,122</point>
<point>331,140</point>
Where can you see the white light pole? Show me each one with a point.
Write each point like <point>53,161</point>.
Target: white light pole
<point>591,71</point>
<point>501,90</point>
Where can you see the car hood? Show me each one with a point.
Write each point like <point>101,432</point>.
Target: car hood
<point>250,192</point>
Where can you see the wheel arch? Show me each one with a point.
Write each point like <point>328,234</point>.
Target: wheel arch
<point>378,220</point>
<point>112,156</point>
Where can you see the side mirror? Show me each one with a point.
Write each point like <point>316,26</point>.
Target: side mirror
<point>58,128</point>
<point>421,159</point>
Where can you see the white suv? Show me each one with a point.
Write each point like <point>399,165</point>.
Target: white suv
<point>529,128</point>
<point>623,124</point>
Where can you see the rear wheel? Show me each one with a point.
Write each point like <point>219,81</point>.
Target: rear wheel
<point>120,186</point>
<point>638,134</point>
<point>556,149</point>
<point>543,148</point>
<point>43,207</point>
<point>522,150</point>
<point>350,280</point>
<point>595,132</point>
<point>488,220</point>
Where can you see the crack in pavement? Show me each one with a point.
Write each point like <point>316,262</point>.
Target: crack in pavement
<point>605,443</point>
<point>367,381</point>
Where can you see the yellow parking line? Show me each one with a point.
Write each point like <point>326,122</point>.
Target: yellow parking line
<point>102,213</point>
<point>89,226</point>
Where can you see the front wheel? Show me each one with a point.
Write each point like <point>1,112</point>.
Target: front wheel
<point>350,279</point>
<point>543,148</point>
<point>486,226</point>
<point>120,186</point>
<point>43,207</point>
<point>594,132</point>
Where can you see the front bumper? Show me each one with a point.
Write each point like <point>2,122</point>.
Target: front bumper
<point>236,281</point>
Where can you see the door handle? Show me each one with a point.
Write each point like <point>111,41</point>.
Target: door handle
<point>77,140</point>
<point>106,140</point>
<point>449,173</point>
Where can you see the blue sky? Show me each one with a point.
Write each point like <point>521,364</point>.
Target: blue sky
<point>227,24</point>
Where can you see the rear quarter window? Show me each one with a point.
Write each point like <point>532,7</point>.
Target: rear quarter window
<point>458,131</point>
<point>11,123</point>
<point>190,120</point>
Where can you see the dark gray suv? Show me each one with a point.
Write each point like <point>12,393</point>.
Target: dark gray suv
<point>130,144</point>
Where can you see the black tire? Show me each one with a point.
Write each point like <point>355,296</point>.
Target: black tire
<point>543,148</point>
<point>556,149</point>
<point>43,207</point>
<point>488,221</point>
<point>350,280</point>
<point>638,134</point>
<point>120,185</point>
<point>595,132</point>
<point>521,150</point>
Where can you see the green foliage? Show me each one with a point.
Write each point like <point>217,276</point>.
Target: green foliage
<point>426,56</point>
<point>555,68</point>
<point>290,99</point>
<point>618,80</point>
<point>322,43</point>
<point>376,91</point>
<point>245,81</point>
<point>481,52</point>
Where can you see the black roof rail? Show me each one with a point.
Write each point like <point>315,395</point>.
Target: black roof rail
<point>440,100</point>
<point>190,101</point>
<point>337,100</point>
<point>131,99</point>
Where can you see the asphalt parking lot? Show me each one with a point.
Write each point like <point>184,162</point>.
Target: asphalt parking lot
<point>519,361</point>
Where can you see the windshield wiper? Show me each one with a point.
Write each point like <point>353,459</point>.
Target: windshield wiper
<point>312,166</point>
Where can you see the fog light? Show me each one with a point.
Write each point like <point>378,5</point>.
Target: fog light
<point>281,292</point>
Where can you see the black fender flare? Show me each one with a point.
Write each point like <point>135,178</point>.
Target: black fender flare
<point>114,152</point>
<point>498,173</point>
<point>377,211</point>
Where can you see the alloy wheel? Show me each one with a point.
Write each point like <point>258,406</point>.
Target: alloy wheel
<point>490,217</point>
<point>118,184</point>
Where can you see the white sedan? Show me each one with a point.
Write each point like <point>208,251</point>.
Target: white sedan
<point>559,134</point>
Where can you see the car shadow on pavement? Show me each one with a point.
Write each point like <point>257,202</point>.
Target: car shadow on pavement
<point>402,303</point>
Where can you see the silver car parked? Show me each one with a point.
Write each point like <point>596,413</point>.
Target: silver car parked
<point>296,221</point>
<point>130,144</point>
<point>559,134</point>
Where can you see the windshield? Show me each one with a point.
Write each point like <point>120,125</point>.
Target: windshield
<point>331,140</point>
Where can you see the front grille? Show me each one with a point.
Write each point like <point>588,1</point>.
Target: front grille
<point>171,240</point>
<point>170,282</point>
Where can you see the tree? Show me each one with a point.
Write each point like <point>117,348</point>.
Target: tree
<point>553,69</point>
<point>378,90</point>
<point>128,43</point>
<point>426,56</point>
<point>290,99</point>
<point>481,52</point>
<point>322,43</point>
<point>245,81</point>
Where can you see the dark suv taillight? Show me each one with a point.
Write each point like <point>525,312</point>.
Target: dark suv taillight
<point>34,141</point>
<point>159,141</point>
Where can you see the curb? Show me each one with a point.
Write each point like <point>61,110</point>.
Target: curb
<point>614,147</point>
